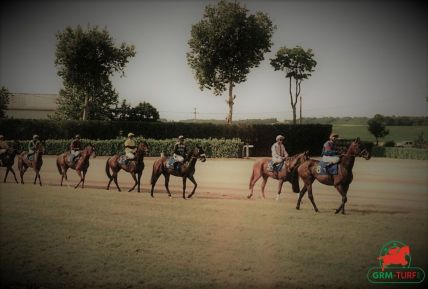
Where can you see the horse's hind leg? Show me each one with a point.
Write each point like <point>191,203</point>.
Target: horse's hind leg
<point>184,187</point>
<point>153,181</point>
<point>343,190</point>
<point>192,179</point>
<point>115,181</point>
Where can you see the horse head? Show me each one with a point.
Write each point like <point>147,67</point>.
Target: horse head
<point>143,148</point>
<point>201,154</point>
<point>297,160</point>
<point>356,149</point>
<point>89,150</point>
<point>196,153</point>
<point>40,148</point>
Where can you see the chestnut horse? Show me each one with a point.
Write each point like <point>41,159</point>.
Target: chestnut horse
<point>135,167</point>
<point>36,163</point>
<point>81,165</point>
<point>9,159</point>
<point>308,173</point>
<point>186,171</point>
<point>287,173</point>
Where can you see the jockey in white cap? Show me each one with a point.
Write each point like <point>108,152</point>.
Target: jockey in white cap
<point>329,150</point>
<point>279,154</point>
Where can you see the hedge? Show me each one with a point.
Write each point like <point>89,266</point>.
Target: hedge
<point>400,153</point>
<point>297,137</point>
<point>215,148</point>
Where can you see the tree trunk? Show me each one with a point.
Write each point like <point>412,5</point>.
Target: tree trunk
<point>293,102</point>
<point>300,120</point>
<point>86,108</point>
<point>230,103</point>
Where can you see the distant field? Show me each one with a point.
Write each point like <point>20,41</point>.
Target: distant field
<point>396,133</point>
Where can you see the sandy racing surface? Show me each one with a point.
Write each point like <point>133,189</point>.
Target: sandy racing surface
<point>54,237</point>
<point>379,182</point>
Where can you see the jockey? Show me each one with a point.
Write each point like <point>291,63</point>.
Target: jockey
<point>32,145</point>
<point>180,151</point>
<point>75,148</point>
<point>329,150</point>
<point>130,147</point>
<point>3,148</point>
<point>279,154</point>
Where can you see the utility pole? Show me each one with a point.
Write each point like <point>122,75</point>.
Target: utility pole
<point>194,113</point>
<point>300,110</point>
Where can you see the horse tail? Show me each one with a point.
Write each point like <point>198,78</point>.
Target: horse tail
<point>256,174</point>
<point>294,180</point>
<point>156,167</point>
<point>108,169</point>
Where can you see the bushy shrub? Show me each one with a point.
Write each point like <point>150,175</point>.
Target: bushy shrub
<point>389,143</point>
<point>297,137</point>
<point>400,153</point>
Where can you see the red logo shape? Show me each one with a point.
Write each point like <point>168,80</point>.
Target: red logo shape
<point>395,256</point>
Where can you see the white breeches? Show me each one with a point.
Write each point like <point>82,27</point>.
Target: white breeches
<point>330,159</point>
<point>178,158</point>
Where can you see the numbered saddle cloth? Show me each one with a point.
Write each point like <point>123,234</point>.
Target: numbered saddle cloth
<point>324,168</point>
<point>122,160</point>
<point>275,167</point>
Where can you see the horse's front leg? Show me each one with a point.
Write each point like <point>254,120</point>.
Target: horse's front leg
<point>14,175</point>
<point>5,176</point>
<point>280,183</point>
<point>342,189</point>
<point>167,184</point>
<point>79,173</point>
<point>301,194</point>
<point>265,178</point>
<point>84,177</point>
<point>135,182</point>
<point>192,179</point>
<point>38,177</point>
<point>184,187</point>
<point>139,180</point>
<point>22,170</point>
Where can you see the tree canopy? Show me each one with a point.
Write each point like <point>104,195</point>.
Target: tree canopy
<point>142,112</point>
<point>377,128</point>
<point>4,101</point>
<point>226,44</point>
<point>86,58</point>
<point>297,64</point>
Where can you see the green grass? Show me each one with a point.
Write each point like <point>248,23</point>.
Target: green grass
<point>396,133</point>
<point>55,237</point>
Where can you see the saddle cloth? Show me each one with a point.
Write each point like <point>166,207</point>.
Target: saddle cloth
<point>322,168</point>
<point>170,164</point>
<point>123,160</point>
<point>272,167</point>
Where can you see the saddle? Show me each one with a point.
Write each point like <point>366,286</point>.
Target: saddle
<point>122,160</point>
<point>324,168</point>
<point>275,167</point>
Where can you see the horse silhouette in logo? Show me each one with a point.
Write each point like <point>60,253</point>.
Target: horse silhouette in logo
<point>395,256</point>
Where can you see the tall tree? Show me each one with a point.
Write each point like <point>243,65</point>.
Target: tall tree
<point>298,65</point>
<point>4,101</point>
<point>86,59</point>
<point>377,128</point>
<point>141,112</point>
<point>225,44</point>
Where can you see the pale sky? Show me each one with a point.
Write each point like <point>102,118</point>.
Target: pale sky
<point>372,57</point>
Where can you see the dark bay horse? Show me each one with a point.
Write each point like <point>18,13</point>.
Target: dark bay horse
<point>8,160</point>
<point>81,165</point>
<point>308,173</point>
<point>287,173</point>
<point>186,171</point>
<point>135,167</point>
<point>36,163</point>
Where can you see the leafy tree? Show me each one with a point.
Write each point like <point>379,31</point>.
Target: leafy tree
<point>376,127</point>
<point>142,112</point>
<point>298,65</point>
<point>225,44</point>
<point>86,59</point>
<point>4,101</point>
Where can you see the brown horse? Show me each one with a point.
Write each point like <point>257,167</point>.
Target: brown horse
<point>287,173</point>
<point>135,167</point>
<point>8,160</point>
<point>36,163</point>
<point>186,171</point>
<point>81,165</point>
<point>308,173</point>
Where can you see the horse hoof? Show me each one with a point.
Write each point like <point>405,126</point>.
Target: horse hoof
<point>249,197</point>
<point>337,211</point>
<point>297,208</point>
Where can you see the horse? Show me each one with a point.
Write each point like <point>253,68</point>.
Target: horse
<point>36,163</point>
<point>186,171</point>
<point>9,159</point>
<point>287,173</point>
<point>81,165</point>
<point>135,167</point>
<point>308,173</point>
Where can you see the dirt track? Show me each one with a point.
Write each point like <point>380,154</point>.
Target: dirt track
<point>388,183</point>
<point>54,237</point>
